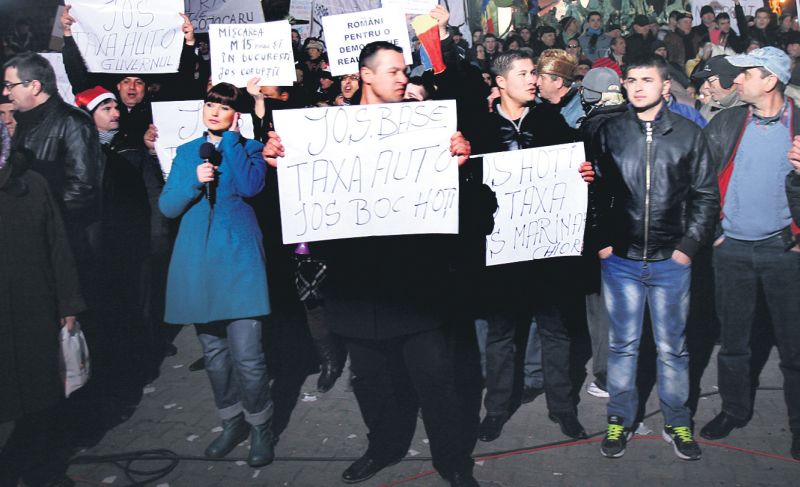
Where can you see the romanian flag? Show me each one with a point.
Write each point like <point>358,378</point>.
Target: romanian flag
<point>427,30</point>
<point>487,19</point>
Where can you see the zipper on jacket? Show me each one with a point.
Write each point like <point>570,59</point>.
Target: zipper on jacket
<point>648,150</point>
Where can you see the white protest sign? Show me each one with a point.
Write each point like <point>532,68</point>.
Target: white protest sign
<point>417,7</point>
<point>719,6</point>
<point>301,10</point>
<point>203,13</point>
<point>347,34</point>
<point>123,36</point>
<point>367,170</point>
<point>542,203</point>
<point>64,87</point>
<point>179,122</point>
<point>241,52</point>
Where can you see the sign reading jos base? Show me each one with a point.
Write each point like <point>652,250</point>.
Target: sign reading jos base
<point>347,34</point>
<point>179,122</point>
<point>203,13</point>
<point>241,52</point>
<point>123,36</point>
<point>542,203</point>
<point>367,170</point>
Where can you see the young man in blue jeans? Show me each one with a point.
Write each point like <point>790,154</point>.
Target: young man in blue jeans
<point>657,202</point>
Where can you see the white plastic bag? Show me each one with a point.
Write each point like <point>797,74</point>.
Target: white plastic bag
<point>73,359</point>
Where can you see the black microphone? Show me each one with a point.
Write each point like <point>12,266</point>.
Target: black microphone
<point>208,154</point>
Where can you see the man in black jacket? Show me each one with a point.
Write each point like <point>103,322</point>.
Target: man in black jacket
<point>756,248</point>
<point>386,296</point>
<point>506,292</point>
<point>63,140</point>
<point>651,219</point>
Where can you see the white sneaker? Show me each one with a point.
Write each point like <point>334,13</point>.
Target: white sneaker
<point>596,391</point>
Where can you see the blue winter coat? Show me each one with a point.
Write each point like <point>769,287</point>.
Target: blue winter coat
<point>217,271</point>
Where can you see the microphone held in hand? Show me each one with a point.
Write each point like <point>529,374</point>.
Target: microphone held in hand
<point>208,153</point>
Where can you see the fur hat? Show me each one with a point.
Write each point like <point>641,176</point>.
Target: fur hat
<point>558,63</point>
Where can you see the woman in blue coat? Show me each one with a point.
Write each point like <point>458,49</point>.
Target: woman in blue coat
<point>217,278</point>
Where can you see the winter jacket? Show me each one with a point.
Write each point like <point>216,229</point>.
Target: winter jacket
<point>218,270</point>
<point>724,133</point>
<point>656,190</point>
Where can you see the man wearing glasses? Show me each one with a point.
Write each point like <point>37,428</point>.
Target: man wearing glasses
<point>63,143</point>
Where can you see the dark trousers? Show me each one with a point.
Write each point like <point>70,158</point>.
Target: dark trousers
<point>393,378</point>
<point>31,453</point>
<point>561,324</point>
<point>742,269</point>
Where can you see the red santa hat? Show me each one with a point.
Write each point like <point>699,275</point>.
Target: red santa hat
<point>93,97</point>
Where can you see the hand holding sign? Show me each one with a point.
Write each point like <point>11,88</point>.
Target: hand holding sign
<point>120,36</point>
<point>386,169</point>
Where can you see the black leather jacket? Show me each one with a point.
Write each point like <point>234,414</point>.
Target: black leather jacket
<point>656,186</point>
<point>66,151</point>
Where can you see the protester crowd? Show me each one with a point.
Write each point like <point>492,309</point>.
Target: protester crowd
<point>693,172</point>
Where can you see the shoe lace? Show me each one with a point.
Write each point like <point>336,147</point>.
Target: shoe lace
<point>615,432</point>
<point>683,433</point>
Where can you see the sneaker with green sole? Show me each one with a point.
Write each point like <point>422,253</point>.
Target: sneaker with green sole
<point>682,442</point>
<point>617,436</point>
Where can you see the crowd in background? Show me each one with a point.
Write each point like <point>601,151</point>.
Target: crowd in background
<point>99,235</point>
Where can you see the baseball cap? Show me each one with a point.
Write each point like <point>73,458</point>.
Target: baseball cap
<point>598,81</point>
<point>720,67</point>
<point>770,58</point>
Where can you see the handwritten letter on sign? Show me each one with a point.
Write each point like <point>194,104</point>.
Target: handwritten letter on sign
<point>347,34</point>
<point>542,203</point>
<point>123,36</point>
<point>367,170</point>
<point>241,52</point>
<point>179,122</point>
<point>203,13</point>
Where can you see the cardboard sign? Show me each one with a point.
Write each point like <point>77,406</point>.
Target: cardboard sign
<point>241,52</point>
<point>203,13</point>
<point>179,122</point>
<point>542,203</point>
<point>416,7</point>
<point>64,86</point>
<point>122,36</point>
<point>367,170</point>
<point>347,34</point>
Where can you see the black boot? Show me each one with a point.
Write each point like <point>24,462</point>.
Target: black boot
<point>262,448</point>
<point>330,366</point>
<point>234,431</point>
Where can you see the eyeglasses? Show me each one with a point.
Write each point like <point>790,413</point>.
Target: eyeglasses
<point>573,46</point>
<point>8,86</point>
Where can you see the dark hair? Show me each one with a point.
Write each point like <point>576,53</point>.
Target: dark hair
<point>503,62</point>
<point>31,66</point>
<point>763,10</point>
<point>225,94</point>
<point>723,15</point>
<point>488,35</point>
<point>615,40</point>
<point>648,61</point>
<point>370,50</point>
<point>675,14</point>
<point>593,13</point>
<point>424,82</point>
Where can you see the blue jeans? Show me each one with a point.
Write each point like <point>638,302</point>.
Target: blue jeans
<point>664,286</point>
<point>237,369</point>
